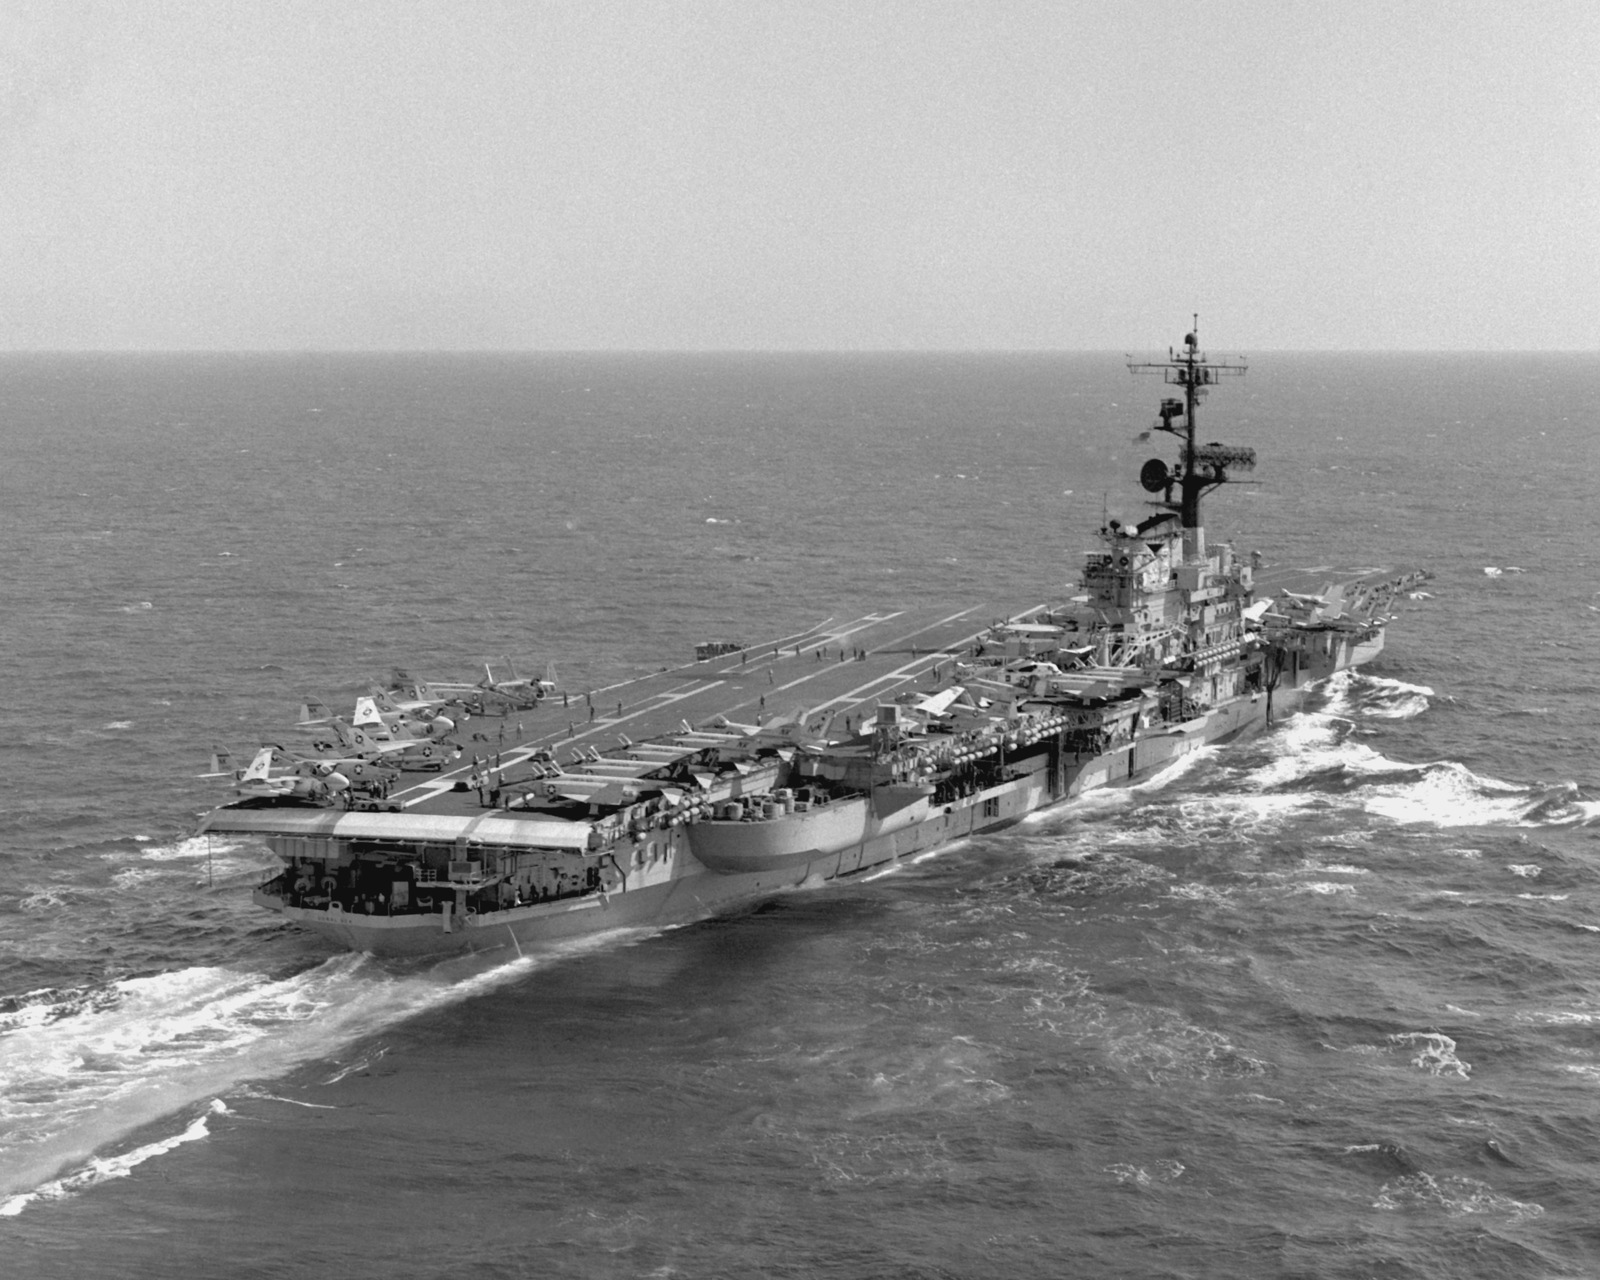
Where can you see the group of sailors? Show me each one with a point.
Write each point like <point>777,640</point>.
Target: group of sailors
<point>487,784</point>
<point>368,789</point>
<point>856,654</point>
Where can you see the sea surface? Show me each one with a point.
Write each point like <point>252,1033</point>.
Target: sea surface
<point>1323,1003</point>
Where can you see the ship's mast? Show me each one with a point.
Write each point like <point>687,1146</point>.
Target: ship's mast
<point>1201,468</point>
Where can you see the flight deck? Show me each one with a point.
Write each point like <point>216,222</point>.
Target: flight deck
<point>840,668</point>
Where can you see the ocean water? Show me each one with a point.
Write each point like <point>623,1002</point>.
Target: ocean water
<point>1324,1003</point>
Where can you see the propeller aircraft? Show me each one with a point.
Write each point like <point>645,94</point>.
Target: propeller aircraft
<point>373,743</point>
<point>300,780</point>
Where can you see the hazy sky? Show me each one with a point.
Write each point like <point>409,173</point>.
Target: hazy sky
<point>382,174</point>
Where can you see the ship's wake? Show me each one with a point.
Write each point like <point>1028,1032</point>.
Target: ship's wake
<point>1322,758</point>
<point>1318,765</point>
<point>84,1069</point>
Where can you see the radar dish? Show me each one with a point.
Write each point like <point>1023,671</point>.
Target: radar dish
<point>1154,475</point>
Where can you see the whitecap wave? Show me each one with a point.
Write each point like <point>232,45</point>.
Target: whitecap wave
<point>1436,1052</point>
<point>1325,888</point>
<point>1338,694</point>
<point>1381,698</point>
<point>1447,794</point>
<point>1242,814</point>
<point>200,847</point>
<point>1139,1176</point>
<point>957,1075</point>
<point>1585,811</point>
<point>1200,893</point>
<point>1454,1196</point>
<point>1559,1017</point>
<point>1316,742</point>
<point>1160,1046</point>
<point>1439,792</point>
<point>130,876</point>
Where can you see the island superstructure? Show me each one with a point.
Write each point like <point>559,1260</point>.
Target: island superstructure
<point>905,733</point>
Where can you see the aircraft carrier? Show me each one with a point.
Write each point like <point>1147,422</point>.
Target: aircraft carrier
<point>762,766</point>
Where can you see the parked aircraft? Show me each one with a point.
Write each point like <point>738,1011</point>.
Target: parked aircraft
<point>489,695</point>
<point>524,691</point>
<point>392,702</point>
<point>397,725</point>
<point>300,780</point>
<point>408,753</point>
<point>330,757</point>
<point>797,729</point>
<point>385,727</point>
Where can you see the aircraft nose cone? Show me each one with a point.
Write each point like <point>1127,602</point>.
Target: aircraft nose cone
<point>445,723</point>
<point>338,782</point>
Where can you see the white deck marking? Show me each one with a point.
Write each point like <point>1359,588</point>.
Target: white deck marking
<point>805,641</point>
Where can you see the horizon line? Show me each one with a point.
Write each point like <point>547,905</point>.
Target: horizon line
<point>769,351</point>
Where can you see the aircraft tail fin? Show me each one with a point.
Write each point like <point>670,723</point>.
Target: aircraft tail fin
<point>822,725</point>
<point>314,711</point>
<point>260,767</point>
<point>366,712</point>
<point>221,763</point>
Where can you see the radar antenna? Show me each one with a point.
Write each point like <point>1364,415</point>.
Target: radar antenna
<point>1203,467</point>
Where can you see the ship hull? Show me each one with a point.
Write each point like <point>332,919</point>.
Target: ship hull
<point>755,861</point>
